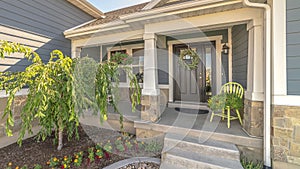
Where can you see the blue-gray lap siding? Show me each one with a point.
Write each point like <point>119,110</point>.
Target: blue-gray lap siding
<point>293,47</point>
<point>240,54</point>
<point>44,18</point>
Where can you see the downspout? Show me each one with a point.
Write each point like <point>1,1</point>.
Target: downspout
<point>267,102</point>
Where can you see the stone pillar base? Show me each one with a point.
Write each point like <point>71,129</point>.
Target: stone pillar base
<point>254,117</point>
<point>150,108</point>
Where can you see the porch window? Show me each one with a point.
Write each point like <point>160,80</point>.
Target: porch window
<point>122,77</point>
<point>137,65</point>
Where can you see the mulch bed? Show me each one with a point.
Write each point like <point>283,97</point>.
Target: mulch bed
<point>32,152</point>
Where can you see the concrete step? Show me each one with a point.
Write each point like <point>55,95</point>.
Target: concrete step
<point>208,147</point>
<point>188,105</point>
<point>184,159</point>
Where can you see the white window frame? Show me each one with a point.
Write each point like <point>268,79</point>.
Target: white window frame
<point>128,49</point>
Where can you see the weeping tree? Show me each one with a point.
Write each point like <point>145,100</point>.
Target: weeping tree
<point>57,95</point>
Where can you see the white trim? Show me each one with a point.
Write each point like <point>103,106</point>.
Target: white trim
<point>254,96</point>
<point>218,66</point>
<point>22,92</point>
<point>279,48</point>
<point>171,75</point>
<point>109,39</point>
<point>286,100</point>
<point>230,54</point>
<point>96,29</point>
<point>194,40</point>
<point>128,49</point>
<point>173,9</point>
<point>87,7</point>
<point>151,4</point>
<point>207,21</point>
<point>163,86</point>
<point>71,29</point>
<point>217,39</point>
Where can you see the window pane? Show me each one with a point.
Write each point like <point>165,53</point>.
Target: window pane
<point>91,52</point>
<point>138,64</point>
<point>163,66</point>
<point>122,76</point>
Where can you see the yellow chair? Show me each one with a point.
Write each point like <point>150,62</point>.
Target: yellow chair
<point>230,88</point>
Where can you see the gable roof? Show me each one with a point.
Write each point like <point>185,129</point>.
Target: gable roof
<point>114,15</point>
<point>160,3</point>
<point>87,7</point>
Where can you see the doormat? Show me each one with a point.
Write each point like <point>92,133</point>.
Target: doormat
<point>191,111</point>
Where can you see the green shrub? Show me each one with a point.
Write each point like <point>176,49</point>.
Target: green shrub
<point>221,101</point>
<point>248,164</point>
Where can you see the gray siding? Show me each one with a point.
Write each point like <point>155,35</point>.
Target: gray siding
<point>293,47</point>
<point>240,54</point>
<point>44,19</point>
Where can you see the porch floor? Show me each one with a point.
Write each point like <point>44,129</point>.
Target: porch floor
<point>200,122</point>
<point>198,125</point>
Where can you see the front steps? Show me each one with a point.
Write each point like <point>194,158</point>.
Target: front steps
<point>181,152</point>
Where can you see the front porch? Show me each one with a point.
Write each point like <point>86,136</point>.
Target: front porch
<point>186,125</point>
<point>197,125</point>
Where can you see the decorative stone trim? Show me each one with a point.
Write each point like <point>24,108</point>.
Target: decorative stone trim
<point>254,117</point>
<point>150,108</point>
<point>286,134</point>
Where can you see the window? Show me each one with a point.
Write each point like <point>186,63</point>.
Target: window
<point>137,64</point>
<point>122,77</point>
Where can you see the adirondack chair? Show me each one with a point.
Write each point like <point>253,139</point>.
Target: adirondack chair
<point>238,91</point>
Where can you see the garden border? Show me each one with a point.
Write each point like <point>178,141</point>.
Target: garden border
<point>132,160</point>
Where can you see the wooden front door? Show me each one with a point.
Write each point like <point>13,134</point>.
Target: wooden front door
<point>191,85</point>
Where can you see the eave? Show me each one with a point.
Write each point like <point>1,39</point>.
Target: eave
<point>87,7</point>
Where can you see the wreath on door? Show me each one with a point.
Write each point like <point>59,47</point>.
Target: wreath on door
<point>191,55</point>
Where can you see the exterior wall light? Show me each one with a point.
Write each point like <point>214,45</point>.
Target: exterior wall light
<point>225,49</point>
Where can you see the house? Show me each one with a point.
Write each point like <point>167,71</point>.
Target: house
<point>40,25</point>
<point>263,40</point>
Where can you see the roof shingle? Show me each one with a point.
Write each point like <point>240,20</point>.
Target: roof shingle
<point>114,15</point>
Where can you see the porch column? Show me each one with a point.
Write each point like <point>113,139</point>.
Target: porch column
<point>254,95</point>
<point>150,93</point>
<point>255,78</point>
<point>75,51</point>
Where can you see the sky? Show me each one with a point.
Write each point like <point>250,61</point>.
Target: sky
<point>109,5</point>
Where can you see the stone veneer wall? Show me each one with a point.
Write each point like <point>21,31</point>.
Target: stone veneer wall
<point>17,108</point>
<point>286,136</point>
<point>254,117</point>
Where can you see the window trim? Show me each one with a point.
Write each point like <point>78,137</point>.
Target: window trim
<point>129,49</point>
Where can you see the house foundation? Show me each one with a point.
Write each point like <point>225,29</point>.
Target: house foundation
<point>286,136</point>
<point>17,106</point>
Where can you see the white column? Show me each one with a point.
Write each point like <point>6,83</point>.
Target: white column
<point>150,87</point>
<point>255,77</point>
<point>75,51</point>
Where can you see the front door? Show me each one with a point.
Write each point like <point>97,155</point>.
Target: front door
<point>193,85</point>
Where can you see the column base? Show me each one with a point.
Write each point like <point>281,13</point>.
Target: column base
<point>150,108</point>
